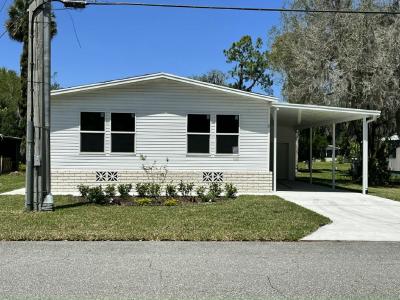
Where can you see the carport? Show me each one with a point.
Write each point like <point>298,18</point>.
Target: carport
<point>288,118</point>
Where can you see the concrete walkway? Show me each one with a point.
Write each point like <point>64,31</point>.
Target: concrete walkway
<point>22,192</point>
<point>15,192</point>
<point>355,217</point>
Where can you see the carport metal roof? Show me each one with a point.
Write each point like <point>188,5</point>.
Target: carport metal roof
<point>302,116</point>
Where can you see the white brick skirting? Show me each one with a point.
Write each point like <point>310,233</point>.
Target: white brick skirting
<point>248,182</point>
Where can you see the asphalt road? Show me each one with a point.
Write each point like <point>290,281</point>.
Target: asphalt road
<point>205,270</point>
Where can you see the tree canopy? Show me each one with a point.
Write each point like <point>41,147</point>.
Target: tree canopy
<point>214,77</point>
<point>250,67</point>
<point>10,97</point>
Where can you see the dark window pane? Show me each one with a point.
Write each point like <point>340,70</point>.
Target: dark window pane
<point>228,124</point>
<point>92,142</point>
<point>122,142</point>
<point>198,143</point>
<point>228,144</point>
<point>198,123</point>
<point>93,121</point>
<point>122,122</point>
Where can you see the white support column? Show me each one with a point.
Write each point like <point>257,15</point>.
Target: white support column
<point>275,143</point>
<point>311,162</point>
<point>365,157</point>
<point>333,155</point>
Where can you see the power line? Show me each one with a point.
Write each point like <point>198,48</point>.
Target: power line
<point>4,32</point>
<point>4,4</point>
<point>73,26</point>
<point>234,8</point>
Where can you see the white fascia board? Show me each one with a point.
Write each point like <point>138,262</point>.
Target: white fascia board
<point>362,112</point>
<point>161,76</point>
<point>352,117</point>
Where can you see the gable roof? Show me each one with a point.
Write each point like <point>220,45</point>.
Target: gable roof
<point>156,76</point>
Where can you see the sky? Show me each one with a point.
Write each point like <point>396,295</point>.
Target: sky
<point>119,42</point>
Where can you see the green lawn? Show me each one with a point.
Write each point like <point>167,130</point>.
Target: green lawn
<point>247,218</point>
<point>12,181</point>
<point>322,174</point>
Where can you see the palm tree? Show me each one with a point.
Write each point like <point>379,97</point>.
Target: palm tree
<point>18,30</point>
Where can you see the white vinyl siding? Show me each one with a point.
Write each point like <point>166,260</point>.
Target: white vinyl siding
<point>161,108</point>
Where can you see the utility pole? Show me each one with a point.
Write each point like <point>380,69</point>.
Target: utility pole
<point>38,108</point>
<point>38,181</point>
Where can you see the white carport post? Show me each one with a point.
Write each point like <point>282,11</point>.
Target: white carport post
<point>275,142</point>
<point>365,157</point>
<point>333,155</point>
<point>310,162</point>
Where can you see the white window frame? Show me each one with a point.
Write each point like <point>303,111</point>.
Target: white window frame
<point>122,132</point>
<point>198,133</point>
<point>226,134</point>
<point>91,131</point>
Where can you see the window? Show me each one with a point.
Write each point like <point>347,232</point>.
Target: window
<point>92,132</point>
<point>227,134</point>
<point>123,132</point>
<point>198,133</point>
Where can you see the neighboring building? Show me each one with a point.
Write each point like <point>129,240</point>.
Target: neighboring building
<point>394,153</point>
<point>99,133</point>
<point>329,150</point>
<point>9,153</point>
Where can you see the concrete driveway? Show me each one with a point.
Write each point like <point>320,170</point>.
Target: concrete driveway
<point>355,217</point>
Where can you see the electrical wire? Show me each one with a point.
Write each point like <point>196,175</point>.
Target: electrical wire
<point>235,8</point>
<point>1,35</point>
<point>4,4</point>
<point>75,31</point>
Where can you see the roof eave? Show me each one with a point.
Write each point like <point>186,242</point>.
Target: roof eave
<point>328,108</point>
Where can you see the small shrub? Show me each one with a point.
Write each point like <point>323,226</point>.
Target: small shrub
<point>170,190</point>
<point>340,159</point>
<point>143,201</point>
<point>185,189</point>
<point>142,189</point>
<point>155,190</point>
<point>110,191</point>
<point>83,190</point>
<point>171,202</point>
<point>21,167</point>
<point>214,191</point>
<point>124,190</point>
<point>96,195</point>
<point>230,190</point>
<point>201,193</point>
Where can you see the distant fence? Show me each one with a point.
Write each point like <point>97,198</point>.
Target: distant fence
<point>6,164</point>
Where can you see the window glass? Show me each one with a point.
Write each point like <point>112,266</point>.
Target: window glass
<point>92,121</point>
<point>198,143</point>
<point>198,128</point>
<point>227,124</point>
<point>198,123</point>
<point>228,144</point>
<point>123,122</point>
<point>121,142</point>
<point>92,142</point>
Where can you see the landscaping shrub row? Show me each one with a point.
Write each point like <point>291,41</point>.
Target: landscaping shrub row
<point>151,193</point>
